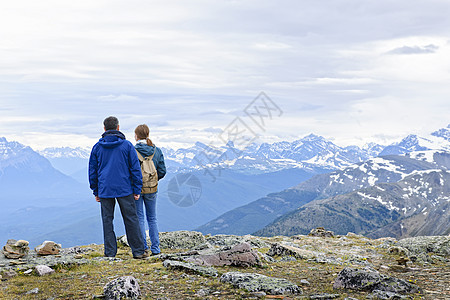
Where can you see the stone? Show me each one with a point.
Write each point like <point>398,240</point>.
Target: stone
<point>190,267</point>
<point>259,294</point>
<point>9,274</point>
<point>122,287</point>
<point>288,250</point>
<point>253,282</point>
<point>305,282</point>
<point>33,291</point>
<point>76,250</point>
<point>402,261</point>
<point>42,270</point>
<point>427,244</point>
<point>48,248</point>
<point>288,258</point>
<point>385,295</point>
<point>16,249</point>
<point>324,296</point>
<point>16,262</point>
<point>395,250</point>
<point>321,232</point>
<point>202,293</point>
<point>368,279</point>
<point>240,255</point>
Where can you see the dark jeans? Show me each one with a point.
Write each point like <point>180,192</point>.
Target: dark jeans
<point>133,230</point>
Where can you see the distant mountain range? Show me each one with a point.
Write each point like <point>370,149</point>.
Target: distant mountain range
<point>244,198</point>
<point>418,204</point>
<point>288,212</point>
<point>26,175</point>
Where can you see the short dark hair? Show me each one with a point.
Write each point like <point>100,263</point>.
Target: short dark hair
<point>111,123</point>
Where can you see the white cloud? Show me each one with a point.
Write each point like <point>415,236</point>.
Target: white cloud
<point>65,65</point>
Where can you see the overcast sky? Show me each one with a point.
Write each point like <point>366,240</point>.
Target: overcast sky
<point>354,71</point>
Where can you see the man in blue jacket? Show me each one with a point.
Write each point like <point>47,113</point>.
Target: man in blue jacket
<point>115,173</point>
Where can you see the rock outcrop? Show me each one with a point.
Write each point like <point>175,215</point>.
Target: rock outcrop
<point>253,282</point>
<point>427,244</point>
<point>282,249</point>
<point>371,280</point>
<point>181,239</point>
<point>16,249</point>
<point>321,232</point>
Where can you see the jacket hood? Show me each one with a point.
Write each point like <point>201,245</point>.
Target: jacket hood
<point>144,149</point>
<point>111,139</point>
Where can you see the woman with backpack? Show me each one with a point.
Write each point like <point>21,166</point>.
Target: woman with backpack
<point>153,169</point>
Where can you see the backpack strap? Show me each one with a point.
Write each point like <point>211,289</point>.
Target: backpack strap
<point>141,158</point>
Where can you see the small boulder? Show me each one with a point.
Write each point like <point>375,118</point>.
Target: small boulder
<point>395,250</point>
<point>384,295</point>
<point>288,250</point>
<point>321,232</point>
<point>42,270</point>
<point>253,282</point>
<point>9,274</point>
<point>16,249</point>
<point>368,279</point>
<point>240,255</point>
<point>48,248</point>
<point>122,287</point>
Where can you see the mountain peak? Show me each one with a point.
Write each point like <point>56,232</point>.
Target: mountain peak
<point>312,137</point>
<point>443,133</point>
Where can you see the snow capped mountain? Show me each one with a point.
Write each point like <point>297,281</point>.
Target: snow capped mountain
<point>25,172</point>
<point>70,161</point>
<point>443,133</point>
<point>66,152</point>
<point>417,205</point>
<point>310,152</point>
<point>372,173</point>
<point>438,140</point>
<point>14,154</point>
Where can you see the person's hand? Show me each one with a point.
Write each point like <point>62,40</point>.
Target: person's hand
<point>97,198</point>
<point>136,197</point>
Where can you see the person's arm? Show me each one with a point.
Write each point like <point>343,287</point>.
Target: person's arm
<point>135,171</point>
<point>93,173</point>
<point>161,166</point>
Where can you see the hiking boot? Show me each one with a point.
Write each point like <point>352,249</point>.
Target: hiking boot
<point>142,256</point>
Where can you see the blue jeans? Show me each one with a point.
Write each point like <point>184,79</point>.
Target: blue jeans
<point>128,210</point>
<point>149,201</point>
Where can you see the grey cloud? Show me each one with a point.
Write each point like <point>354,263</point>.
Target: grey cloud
<point>415,49</point>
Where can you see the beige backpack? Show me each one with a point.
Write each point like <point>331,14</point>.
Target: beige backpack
<point>149,174</point>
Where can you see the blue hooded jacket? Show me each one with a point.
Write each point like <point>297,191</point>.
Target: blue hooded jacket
<point>114,169</point>
<point>158,159</point>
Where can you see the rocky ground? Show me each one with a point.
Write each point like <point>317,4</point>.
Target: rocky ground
<point>193,266</point>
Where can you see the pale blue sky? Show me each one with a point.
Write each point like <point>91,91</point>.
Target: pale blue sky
<point>356,71</point>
